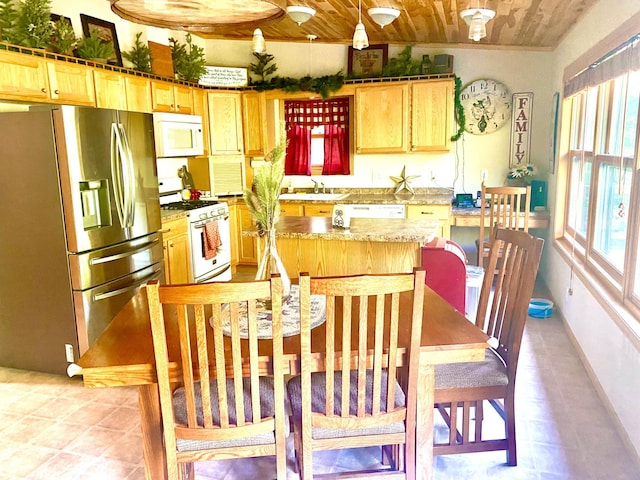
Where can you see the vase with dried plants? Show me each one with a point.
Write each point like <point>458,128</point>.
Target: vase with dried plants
<point>264,205</point>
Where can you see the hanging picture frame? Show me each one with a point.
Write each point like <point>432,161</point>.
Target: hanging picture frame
<point>106,31</point>
<point>367,62</point>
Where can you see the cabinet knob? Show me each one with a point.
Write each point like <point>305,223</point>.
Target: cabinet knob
<point>166,230</point>
<point>173,107</point>
<point>57,92</point>
<point>43,90</point>
<point>413,148</point>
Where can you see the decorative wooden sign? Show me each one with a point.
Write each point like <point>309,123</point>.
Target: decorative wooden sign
<point>224,77</point>
<point>521,129</point>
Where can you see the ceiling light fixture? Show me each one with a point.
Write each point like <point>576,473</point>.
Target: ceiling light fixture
<point>360,39</point>
<point>383,15</point>
<point>258,45</point>
<point>300,13</point>
<point>477,19</point>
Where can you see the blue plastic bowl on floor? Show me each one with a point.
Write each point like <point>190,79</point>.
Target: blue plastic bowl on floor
<point>540,308</point>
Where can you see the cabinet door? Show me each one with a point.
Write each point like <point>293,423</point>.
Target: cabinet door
<point>162,96</point>
<point>138,94</point>
<point>110,90</point>
<point>254,123</point>
<point>246,245</point>
<point>318,210</point>
<point>183,100</point>
<point>233,230</point>
<point>201,107</point>
<point>382,118</point>
<point>177,255</point>
<point>431,115</point>
<point>71,84</point>
<point>23,77</point>
<point>291,209</point>
<point>225,122</point>
<point>441,213</point>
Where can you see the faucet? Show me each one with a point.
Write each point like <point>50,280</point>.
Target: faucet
<point>323,189</point>
<point>315,186</point>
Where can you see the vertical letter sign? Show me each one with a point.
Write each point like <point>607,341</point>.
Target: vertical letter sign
<point>521,129</point>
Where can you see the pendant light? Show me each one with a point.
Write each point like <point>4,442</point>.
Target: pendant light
<point>360,39</point>
<point>258,45</point>
<point>477,19</point>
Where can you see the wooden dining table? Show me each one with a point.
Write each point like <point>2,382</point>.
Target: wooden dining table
<point>123,356</point>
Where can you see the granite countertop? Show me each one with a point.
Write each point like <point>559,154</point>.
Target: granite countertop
<point>168,215</point>
<point>361,229</point>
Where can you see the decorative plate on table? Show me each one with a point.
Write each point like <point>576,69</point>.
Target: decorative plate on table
<point>290,316</point>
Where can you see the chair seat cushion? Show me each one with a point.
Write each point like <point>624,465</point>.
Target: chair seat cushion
<point>266,409</point>
<point>318,403</point>
<point>488,373</point>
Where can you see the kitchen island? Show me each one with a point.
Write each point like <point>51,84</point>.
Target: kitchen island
<point>312,244</point>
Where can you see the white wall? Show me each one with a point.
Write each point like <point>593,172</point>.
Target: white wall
<point>612,356</point>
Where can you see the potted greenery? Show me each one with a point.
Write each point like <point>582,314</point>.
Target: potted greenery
<point>63,39</point>
<point>188,59</point>
<point>33,24</point>
<point>8,20</point>
<point>139,55</point>
<point>94,48</point>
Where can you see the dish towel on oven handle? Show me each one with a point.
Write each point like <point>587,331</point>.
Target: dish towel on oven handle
<point>211,239</point>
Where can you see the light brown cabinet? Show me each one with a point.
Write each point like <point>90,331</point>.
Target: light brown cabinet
<point>138,94</point>
<point>110,90</point>
<point>441,213</point>
<point>233,232</point>
<point>177,259</point>
<point>382,118</point>
<point>431,115</point>
<point>225,123</point>
<point>23,77</point>
<point>291,209</point>
<point>318,210</point>
<point>167,97</point>
<point>254,123</point>
<point>247,251</point>
<point>71,84</point>
<point>201,107</point>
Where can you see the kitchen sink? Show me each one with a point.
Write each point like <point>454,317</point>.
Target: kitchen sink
<point>313,196</point>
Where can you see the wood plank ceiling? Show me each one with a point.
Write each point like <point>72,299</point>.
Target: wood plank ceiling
<point>529,24</point>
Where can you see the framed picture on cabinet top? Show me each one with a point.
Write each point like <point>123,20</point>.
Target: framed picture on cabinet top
<point>367,62</point>
<point>106,31</point>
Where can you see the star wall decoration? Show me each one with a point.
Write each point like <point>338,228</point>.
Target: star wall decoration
<point>402,182</point>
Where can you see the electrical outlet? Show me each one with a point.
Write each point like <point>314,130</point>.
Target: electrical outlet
<point>68,348</point>
<point>483,175</point>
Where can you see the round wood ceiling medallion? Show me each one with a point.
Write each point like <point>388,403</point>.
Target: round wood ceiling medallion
<point>200,15</point>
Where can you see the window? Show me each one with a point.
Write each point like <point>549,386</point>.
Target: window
<point>603,183</point>
<point>318,136</point>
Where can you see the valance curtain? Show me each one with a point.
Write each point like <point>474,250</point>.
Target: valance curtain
<point>618,62</point>
<point>301,117</point>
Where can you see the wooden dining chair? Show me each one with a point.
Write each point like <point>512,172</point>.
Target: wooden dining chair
<point>502,312</point>
<point>231,402</point>
<point>361,391</point>
<point>503,207</point>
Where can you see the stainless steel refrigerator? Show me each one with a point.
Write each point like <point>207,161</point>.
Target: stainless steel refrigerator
<point>79,229</point>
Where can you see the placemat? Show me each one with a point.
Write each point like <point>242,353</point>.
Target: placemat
<point>290,316</point>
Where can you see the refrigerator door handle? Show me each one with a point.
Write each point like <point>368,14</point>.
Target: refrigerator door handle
<point>119,291</point>
<point>116,174</point>
<point>130,177</point>
<point>118,256</point>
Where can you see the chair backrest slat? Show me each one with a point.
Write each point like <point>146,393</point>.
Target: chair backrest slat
<point>203,365</point>
<point>185,354</point>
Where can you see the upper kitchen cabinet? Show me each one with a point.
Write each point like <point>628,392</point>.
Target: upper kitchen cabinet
<point>431,115</point>
<point>138,94</point>
<point>110,90</point>
<point>254,123</point>
<point>382,118</point>
<point>23,77</point>
<point>167,97</point>
<point>201,107</point>
<point>225,123</point>
<point>71,84</point>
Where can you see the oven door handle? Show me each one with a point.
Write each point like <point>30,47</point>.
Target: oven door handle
<point>202,223</point>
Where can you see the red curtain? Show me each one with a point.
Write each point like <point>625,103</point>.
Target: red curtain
<point>298,158</point>
<point>304,115</point>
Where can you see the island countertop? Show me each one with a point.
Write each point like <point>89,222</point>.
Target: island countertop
<point>361,229</point>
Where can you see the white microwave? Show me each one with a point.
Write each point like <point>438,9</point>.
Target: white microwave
<point>178,135</point>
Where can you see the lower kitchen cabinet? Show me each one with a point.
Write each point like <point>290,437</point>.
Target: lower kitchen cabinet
<point>233,233</point>
<point>177,258</point>
<point>434,212</point>
<point>291,210</point>
<point>318,210</point>
<point>247,251</point>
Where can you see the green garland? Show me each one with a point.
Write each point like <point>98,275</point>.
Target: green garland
<point>323,85</point>
<point>459,110</point>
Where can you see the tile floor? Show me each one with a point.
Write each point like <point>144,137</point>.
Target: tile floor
<point>51,428</point>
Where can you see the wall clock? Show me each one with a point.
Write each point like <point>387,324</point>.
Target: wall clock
<point>487,106</point>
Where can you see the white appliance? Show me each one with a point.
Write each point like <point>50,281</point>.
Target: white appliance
<point>199,213</point>
<point>178,135</point>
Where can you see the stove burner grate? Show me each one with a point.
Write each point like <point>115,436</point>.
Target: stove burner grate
<point>189,204</point>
